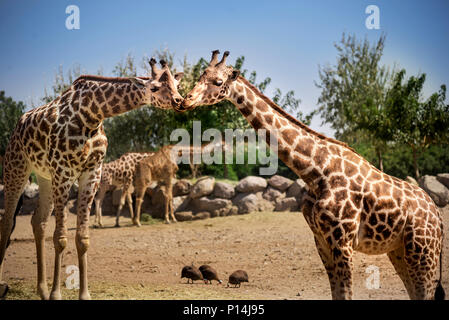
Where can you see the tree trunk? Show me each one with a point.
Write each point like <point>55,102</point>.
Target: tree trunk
<point>381,162</point>
<point>415,163</point>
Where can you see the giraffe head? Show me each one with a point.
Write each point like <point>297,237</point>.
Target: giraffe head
<point>213,85</point>
<point>162,88</point>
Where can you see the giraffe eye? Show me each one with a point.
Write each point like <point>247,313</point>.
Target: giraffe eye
<point>218,82</point>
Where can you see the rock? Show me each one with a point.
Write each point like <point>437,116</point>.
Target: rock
<point>280,183</point>
<point>287,204</point>
<point>223,190</point>
<point>251,184</point>
<point>181,188</point>
<point>184,215</point>
<point>436,190</point>
<point>246,202</point>
<point>31,190</point>
<point>180,203</point>
<point>210,204</point>
<point>444,179</point>
<point>71,206</point>
<point>296,189</point>
<point>264,204</point>
<point>411,181</point>
<point>201,215</point>
<point>203,187</point>
<point>272,194</point>
<point>158,196</point>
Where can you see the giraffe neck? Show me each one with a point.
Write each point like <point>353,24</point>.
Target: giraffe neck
<point>98,98</point>
<point>303,150</point>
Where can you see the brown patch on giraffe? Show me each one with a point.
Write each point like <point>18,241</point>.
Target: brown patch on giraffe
<point>350,169</point>
<point>321,155</point>
<point>289,136</point>
<point>305,147</point>
<point>256,123</point>
<point>269,119</point>
<point>337,182</point>
<point>333,166</point>
<point>261,106</point>
<point>311,176</point>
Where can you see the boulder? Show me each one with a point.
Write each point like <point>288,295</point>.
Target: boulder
<point>31,190</point>
<point>287,204</point>
<point>223,190</point>
<point>201,215</point>
<point>296,189</point>
<point>203,187</point>
<point>263,204</point>
<point>280,183</point>
<point>251,184</point>
<point>223,212</point>
<point>209,204</point>
<point>272,194</point>
<point>158,196</point>
<point>411,181</point>
<point>246,202</point>
<point>181,188</point>
<point>180,203</point>
<point>29,205</point>
<point>184,215</point>
<point>444,179</point>
<point>436,190</point>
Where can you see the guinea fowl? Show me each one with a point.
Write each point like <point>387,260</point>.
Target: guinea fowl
<point>192,273</point>
<point>209,274</point>
<point>237,277</point>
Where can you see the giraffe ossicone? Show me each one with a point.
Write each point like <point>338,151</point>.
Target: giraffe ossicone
<point>350,204</point>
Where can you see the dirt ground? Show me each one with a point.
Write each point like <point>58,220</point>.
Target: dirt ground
<point>276,249</point>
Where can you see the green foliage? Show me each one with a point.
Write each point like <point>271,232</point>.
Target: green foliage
<point>10,112</point>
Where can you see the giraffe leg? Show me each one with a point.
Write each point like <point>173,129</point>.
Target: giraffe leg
<point>397,259</point>
<point>170,203</point>
<point>98,205</point>
<point>140,193</point>
<point>167,206</point>
<point>88,183</point>
<point>422,247</point>
<point>120,206</point>
<point>15,174</point>
<point>60,188</point>
<point>39,224</point>
<point>129,200</point>
<point>334,243</point>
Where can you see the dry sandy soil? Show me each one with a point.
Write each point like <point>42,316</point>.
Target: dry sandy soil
<point>276,249</point>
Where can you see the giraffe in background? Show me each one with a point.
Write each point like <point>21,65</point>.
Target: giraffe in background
<point>351,205</point>
<point>64,141</point>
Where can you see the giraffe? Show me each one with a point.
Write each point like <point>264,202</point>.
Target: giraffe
<point>64,141</point>
<point>120,174</point>
<point>158,167</point>
<point>350,205</point>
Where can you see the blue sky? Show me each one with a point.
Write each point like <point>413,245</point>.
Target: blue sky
<point>285,40</point>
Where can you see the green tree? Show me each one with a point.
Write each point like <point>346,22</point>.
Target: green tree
<point>353,94</point>
<point>415,122</point>
<point>10,112</point>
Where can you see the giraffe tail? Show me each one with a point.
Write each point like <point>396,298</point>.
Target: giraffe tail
<point>439,292</point>
<point>19,205</point>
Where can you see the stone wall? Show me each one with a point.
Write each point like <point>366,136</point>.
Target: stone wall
<point>208,198</point>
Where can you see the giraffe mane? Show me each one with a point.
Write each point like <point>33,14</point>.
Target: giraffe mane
<point>291,118</point>
<point>105,79</point>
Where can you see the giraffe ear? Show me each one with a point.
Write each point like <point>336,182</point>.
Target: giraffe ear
<point>178,76</point>
<point>140,83</point>
<point>234,75</point>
